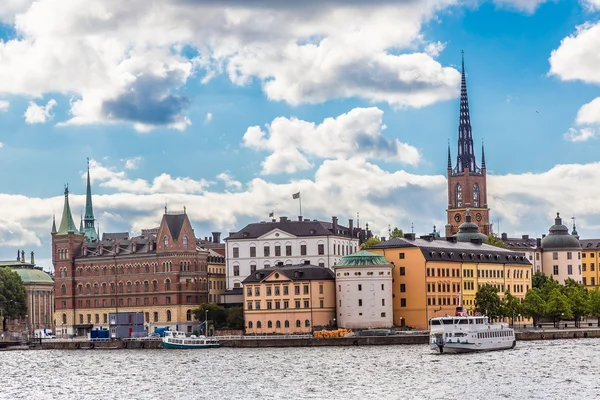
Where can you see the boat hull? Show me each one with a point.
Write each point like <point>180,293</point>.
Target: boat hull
<point>471,348</point>
<point>189,346</point>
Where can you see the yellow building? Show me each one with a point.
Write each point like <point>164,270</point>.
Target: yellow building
<point>590,257</point>
<point>216,276</point>
<point>289,299</point>
<point>432,276</point>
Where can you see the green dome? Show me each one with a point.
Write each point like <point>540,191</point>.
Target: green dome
<point>361,258</point>
<point>30,275</point>
<point>468,231</point>
<point>559,237</point>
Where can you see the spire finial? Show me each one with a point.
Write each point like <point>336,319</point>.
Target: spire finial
<point>449,157</point>
<point>53,223</point>
<point>482,154</point>
<point>462,52</point>
<point>466,157</point>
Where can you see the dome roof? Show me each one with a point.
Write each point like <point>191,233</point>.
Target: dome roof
<point>559,237</point>
<point>31,275</point>
<point>435,233</point>
<point>468,230</point>
<point>361,258</point>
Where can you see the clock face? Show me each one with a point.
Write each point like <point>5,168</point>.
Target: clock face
<point>457,217</point>
<point>478,217</point>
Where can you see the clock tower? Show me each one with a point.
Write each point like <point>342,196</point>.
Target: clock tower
<point>467,187</point>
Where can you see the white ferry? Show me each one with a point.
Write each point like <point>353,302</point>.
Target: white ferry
<point>179,340</point>
<point>463,333</point>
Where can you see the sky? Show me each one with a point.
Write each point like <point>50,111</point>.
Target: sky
<point>228,108</point>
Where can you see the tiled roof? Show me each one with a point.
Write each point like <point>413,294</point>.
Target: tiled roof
<point>302,272</point>
<point>174,222</point>
<point>520,243</point>
<point>116,241</point>
<point>589,244</point>
<point>115,236</point>
<point>296,228</point>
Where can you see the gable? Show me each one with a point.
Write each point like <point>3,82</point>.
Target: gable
<point>276,234</point>
<point>276,276</point>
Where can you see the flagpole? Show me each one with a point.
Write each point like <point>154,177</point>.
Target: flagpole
<point>300,199</point>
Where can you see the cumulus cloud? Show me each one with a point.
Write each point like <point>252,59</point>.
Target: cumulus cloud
<point>109,58</point>
<point>580,134</point>
<point>132,163</point>
<point>36,114</point>
<point>4,105</point>
<point>208,118</point>
<point>292,141</point>
<point>527,6</point>
<point>592,5</point>
<point>229,180</point>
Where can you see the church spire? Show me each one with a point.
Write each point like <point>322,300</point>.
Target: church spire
<point>449,157</point>
<point>88,219</point>
<point>482,156</point>
<point>53,224</point>
<point>466,156</point>
<point>67,224</point>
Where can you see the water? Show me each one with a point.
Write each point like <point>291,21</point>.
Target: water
<point>560,369</point>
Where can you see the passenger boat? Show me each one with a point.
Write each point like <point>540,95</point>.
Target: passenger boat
<point>179,340</point>
<point>462,333</point>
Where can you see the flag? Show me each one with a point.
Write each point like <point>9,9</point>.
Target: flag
<point>271,215</point>
<point>296,196</point>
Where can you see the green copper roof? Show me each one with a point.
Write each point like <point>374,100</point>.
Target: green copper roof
<point>469,230</point>
<point>67,224</point>
<point>559,238</point>
<point>30,275</point>
<point>361,258</point>
<point>89,230</point>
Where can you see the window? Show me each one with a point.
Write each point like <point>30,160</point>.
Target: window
<point>269,305</point>
<point>155,285</point>
<point>266,251</point>
<point>257,305</point>
<point>382,286</point>
<point>249,291</point>
<point>360,302</point>
<point>298,323</point>
<point>403,302</point>
<point>320,288</point>
<point>250,324</point>
<point>537,256</point>
<point>63,289</point>
<point>252,268</point>
<point>555,270</point>
<point>236,270</point>
<point>555,255</point>
<point>591,266</point>
<point>168,315</point>
<point>359,287</point>
<point>81,318</point>
<point>285,290</point>
<point>306,304</point>
<point>297,304</point>
<point>236,252</point>
<point>146,286</point>
<point>302,249</point>
<point>252,251</point>
<point>476,195</point>
<point>167,284</point>
<point>305,289</point>
<point>297,289</point>
<point>383,302</point>
<point>569,255</point>
<point>257,291</point>
<point>383,314</point>
<point>321,303</point>
<point>321,249</point>
<point>287,323</point>
<point>402,271</point>
<point>277,324</point>
<point>277,305</point>
<point>258,325</point>
<point>64,319</point>
<point>188,315</point>
<point>402,287</point>
<point>307,323</point>
<point>570,269</point>
<point>286,305</point>
<point>401,256</point>
<point>166,242</point>
<point>458,195</point>
<point>168,300</point>
<point>288,251</point>
<point>277,251</point>
<point>593,281</point>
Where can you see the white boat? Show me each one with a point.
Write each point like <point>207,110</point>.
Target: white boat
<point>462,333</point>
<point>179,340</point>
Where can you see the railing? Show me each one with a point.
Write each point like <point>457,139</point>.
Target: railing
<point>262,337</point>
<point>142,339</point>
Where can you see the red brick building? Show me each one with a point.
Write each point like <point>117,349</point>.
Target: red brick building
<point>160,273</point>
<point>467,188</point>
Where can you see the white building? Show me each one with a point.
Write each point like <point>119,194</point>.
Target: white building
<point>364,291</point>
<point>286,242</point>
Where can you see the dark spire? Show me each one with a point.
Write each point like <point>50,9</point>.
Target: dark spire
<point>466,156</point>
<point>88,219</point>
<point>66,223</point>
<point>482,155</point>
<point>449,157</point>
<point>53,223</point>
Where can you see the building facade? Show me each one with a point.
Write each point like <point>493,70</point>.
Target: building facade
<point>432,277</point>
<point>289,299</point>
<point>364,291</point>
<point>161,274</point>
<point>467,183</point>
<point>217,281</point>
<point>561,253</point>
<point>590,257</point>
<point>265,244</point>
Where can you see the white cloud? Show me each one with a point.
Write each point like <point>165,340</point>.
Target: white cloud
<point>527,6</point>
<point>208,117</point>
<point>1,145</point>
<point>110,59</point>
<point>580,134</point>
<point>591,5</point>
<point>435,48</point>
<point>292,141</point>
<point>4,105</point>
<point>36,114</point>
<point>132,163</point>
<point>229,180</point>
<point>589,113</point>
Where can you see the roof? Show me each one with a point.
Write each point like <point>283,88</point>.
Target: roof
<point>33,275</point>
<point>302,272</point>
<point>174,223</point>
<point>468,230</point>
<point>559,237</point>
<point>66,223</point>
<point>118,244</point>
<point>296,228</point>
<point>523,243</point>
<point>444,250</point>
<point>362,258</point>
<point>590,244</point>
<point>115,236</point>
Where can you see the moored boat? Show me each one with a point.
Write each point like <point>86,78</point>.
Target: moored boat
<point>179,340</point>
<point>462,333</point>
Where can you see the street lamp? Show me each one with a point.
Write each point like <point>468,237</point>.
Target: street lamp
<point>206,323</point>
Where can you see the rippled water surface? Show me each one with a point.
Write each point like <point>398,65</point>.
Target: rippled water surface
<point>533,370</point>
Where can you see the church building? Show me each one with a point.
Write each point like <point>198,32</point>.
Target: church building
<point>467,188</point>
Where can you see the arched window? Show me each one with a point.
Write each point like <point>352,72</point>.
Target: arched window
<point>146,286</point>
<point>287,324</point>
<point>298,323</point>
<point>258,325</point>
<point>112,287</point>
<point>476,195</point>
<point>188,315</point>
<point>168,315</point>
<point>64,319</point>
<point>269,324</point>
<point>250,324</point>
<point>307,323</point>
<point>96,288</point>
<point>120,287</point>
<point>129,287</point>
<point>278,324</point>
<point>459,201</point>
<point>167,284</point>
<point>185,242</point>
<point>79,289</point>
<point>103,288</point>
<point>88,289</point>
<point>166,242</point>
<point>63,290</point>
<point>137,286</point>
<point>155,285</point>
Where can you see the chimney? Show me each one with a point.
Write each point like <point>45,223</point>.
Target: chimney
<point>409,236</point>
<point>22,255</point>
<point>206,238</point>
<point>300,218</point>
<point>538,242</point>
<point>383,238</point>
<point>133,246</point>
<point>32,259</point>
<point>525,237</point>
<point>335,225</point>
<point>216,237</point>
<point>351,227</point>
<point>282,219</point>
<point>504,236</point>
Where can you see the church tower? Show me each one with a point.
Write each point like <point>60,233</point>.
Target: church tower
<point>467,187</point>
<point>89,229</point>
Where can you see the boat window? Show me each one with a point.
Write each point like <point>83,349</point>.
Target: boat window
<point>463,321</point>
<point>447,321</point>
<point>435,322</point>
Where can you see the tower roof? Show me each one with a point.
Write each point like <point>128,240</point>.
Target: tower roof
<point>53,224</point>
<point>469,230</point>
<point>362,258</point>
<point>66,223</point>
<point>559,238</point>
<point>466,156</point>
<point>88,227</point>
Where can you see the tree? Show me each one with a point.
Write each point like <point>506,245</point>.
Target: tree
<point>533,306</point>
<point>539,279</point>
<point>494,240</point>
<point>235,318</point>
<point>511,306</point>
<point>13,296</point>
<point>594,297</point>
<point>396,233</point>
<point>578,299</point>
<point>216,314</point>
<point>558,306</point>
<point>488,302</point>
<point>371,242</point>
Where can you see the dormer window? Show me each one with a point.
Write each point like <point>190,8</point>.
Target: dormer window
<point>166,242</point>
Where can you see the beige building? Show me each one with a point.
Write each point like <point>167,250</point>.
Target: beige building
<point>289,299</point>
<point>561,253</point>
<point>217,280</point>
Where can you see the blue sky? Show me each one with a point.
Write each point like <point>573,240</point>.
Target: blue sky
<point>228,110</point>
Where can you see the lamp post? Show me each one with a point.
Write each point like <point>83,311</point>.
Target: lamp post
<point>206,323</point>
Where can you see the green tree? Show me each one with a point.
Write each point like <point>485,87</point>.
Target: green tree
<point>235,318</point>
<point>371,242</point>
<point>578,299</point>
<point>494,240</point>
<point>511,306</point>
<point>594,297</point>
<point>558,306</point>
<point>396,233</point>
<point>13,296</point>
<point>534,305</point>
<point>216,314</point>
<point>488,302</point>
<point>539,279</point>
<point>549,286</point>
